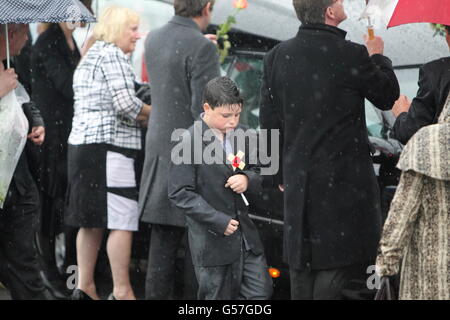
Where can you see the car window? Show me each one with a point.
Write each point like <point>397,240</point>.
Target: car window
<point>247,72</point>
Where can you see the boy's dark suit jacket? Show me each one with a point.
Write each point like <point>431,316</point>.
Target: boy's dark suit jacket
<point>199,191</point>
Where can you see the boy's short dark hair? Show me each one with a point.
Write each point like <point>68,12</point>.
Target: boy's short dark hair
<point>222,91</point>
<point>190,8</point>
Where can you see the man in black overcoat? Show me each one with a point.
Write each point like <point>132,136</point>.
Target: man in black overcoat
<point>313,90</point>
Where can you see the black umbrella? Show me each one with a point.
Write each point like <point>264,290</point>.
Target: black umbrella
<point>29,11</point>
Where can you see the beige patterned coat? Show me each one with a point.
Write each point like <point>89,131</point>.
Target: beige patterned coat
<point>417,230</point>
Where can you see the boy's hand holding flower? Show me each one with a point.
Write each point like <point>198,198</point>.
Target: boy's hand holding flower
<point>238,183</point>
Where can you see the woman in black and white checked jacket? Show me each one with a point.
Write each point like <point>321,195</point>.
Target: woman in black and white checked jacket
<point>103,145</point>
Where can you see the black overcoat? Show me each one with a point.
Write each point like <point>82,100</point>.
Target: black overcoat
<point>314,88</point>
<point>53,65</point>
<point>434,86</point>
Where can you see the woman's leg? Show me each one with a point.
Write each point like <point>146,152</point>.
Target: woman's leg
<point>88,243</point>
<point>119,254</point>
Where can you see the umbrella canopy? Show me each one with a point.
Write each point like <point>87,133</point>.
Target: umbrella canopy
<point>29,11</point>
<point>412,11</point>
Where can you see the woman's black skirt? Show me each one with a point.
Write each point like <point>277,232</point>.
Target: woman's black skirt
<point>99,194</point>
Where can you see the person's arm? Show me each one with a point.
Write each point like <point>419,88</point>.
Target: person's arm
<point>400,223</point>
<point>421,112</point>
<point>37,134</point>
<point>144,115</point>
<point>182,191</point>
<point>205,67</point>
<point>375,76</point>
<point>269,115</point>
<point>119,77</point>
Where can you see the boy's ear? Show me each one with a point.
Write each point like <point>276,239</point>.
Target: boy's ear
<point>206,107</point>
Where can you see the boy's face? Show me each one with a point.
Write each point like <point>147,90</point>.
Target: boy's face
<point>224,118</point>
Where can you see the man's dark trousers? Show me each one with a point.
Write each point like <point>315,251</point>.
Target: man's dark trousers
<point>165,242</point>
<point>19,268</point>
<point>308,284</point>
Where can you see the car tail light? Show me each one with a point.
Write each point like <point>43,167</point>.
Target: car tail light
<point>274,272</point>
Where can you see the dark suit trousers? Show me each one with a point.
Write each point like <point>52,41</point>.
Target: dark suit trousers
<point>19,268</point>
<point>246,279</point>
<point>165,244</point>
<point>307,284</point>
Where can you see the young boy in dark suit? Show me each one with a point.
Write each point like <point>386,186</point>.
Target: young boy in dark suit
<point>226,250</point>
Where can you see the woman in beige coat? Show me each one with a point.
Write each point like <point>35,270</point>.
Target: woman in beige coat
<point>417,229</point>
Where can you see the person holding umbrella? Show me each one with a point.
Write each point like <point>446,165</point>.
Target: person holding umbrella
<point>19,269</point>
<point>18,218</point>
<point>313,91</point>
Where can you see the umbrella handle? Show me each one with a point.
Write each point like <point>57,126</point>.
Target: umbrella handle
<point>7,47</point>
<point>371,32</point>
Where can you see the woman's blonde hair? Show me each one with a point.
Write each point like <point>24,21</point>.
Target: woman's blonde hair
<point>113,22</point>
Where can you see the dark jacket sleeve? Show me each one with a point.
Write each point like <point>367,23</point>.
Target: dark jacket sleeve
<point>254,180</point>
<point>377,79</point>
<point>205,67</point>
<point>183,194</point>
<point>269,116</point>
<point>421,113</point>
<point>33,115</point>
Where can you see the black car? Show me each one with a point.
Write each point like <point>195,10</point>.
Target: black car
<point>258,29</point>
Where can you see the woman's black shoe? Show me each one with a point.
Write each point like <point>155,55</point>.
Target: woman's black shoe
<point>78,294</point>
